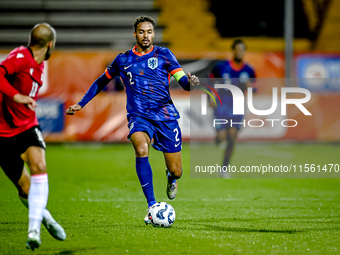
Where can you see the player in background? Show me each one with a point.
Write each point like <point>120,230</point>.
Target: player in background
<point>145,71</point>
<point>238,73</point>
<point>21,76</point>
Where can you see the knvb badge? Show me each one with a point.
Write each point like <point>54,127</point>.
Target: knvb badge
<point>152,63</point>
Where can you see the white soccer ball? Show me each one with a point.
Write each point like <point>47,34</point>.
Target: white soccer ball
<point>162,215</point>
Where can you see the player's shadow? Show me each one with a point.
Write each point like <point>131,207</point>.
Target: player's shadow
<point>304,219</point>
<point>209,224</point>
<point>229,229</point>
<point>76,251</point>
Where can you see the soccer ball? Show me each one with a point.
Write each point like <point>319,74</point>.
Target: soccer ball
<point>162,215</point>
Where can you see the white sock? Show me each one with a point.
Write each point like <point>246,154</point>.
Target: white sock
<point>37,200</point>
<point>46,215</point>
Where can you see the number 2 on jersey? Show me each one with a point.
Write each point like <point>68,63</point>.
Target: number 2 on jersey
<point>130,77</point>
<point>176,137</point>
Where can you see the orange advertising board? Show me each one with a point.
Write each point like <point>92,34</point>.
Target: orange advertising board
<point>70,74</point>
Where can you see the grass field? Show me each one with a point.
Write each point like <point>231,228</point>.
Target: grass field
<point>96,196</point>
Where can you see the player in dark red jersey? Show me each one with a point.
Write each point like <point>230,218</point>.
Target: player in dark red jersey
<point>21,76</point>
<point>238,73</point>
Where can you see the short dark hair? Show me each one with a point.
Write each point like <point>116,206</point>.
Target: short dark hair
<point>143,19</point>
<point>238,41</point>
<point>41,34</point>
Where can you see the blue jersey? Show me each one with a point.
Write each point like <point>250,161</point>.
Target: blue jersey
<point>147,78</point>
<point>235,74</point>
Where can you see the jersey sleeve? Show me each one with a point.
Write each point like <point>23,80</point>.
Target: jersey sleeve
<point>14,62</point>
<point>112,70</point>
<point>216,71</point>
<point>252,77</point>
<point>97,86</point>
<point>172,66</point>
<point>252,73</point>
<point>5,86</point>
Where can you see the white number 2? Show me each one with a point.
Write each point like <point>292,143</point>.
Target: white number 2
<point>176,137</point>
<point>130,77</point>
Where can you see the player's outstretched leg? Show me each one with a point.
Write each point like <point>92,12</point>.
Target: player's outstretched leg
<point>141,141</point>
<point>174,171</point>
<point>34,157</point>
<point>231,135</point>
<point>171,186</point>
<point>51,225</point>
<point>37,200</point>
<point>144,174</point>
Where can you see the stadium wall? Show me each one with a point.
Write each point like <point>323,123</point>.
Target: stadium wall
<point>71,73</point>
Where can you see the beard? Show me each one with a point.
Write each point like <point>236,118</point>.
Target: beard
<point>237,60</point>
<point>144,47</point>
<point>48,53</point>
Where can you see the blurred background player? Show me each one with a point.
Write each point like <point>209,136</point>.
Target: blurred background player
<point>21,76</point>
<point>145,71</point>
<point>238,73</point>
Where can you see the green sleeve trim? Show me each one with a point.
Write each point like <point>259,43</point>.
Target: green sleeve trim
<point>179,75</point>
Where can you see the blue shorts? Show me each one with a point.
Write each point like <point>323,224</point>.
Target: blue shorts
<point>230,118</point>
<point>165,135</point>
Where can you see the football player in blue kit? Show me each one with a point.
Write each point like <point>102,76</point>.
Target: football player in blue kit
<point>239,73</point>
<point>145,71</point>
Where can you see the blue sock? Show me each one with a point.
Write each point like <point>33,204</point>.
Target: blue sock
<point>144,173</point>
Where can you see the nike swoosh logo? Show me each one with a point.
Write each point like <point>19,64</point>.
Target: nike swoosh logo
<point>145,184</point>
<point>126,67</point>
<point>176,145</point>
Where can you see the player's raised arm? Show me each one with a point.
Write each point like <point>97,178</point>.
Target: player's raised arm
<point>95,88</point>
<point>174,68</point>
<point>10,91</point>
<point>187,82</point>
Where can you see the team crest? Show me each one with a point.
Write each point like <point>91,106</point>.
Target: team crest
<point>152,63</point>
<point>244,77</point>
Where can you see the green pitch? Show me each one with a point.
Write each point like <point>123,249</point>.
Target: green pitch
<point>96,197</point>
